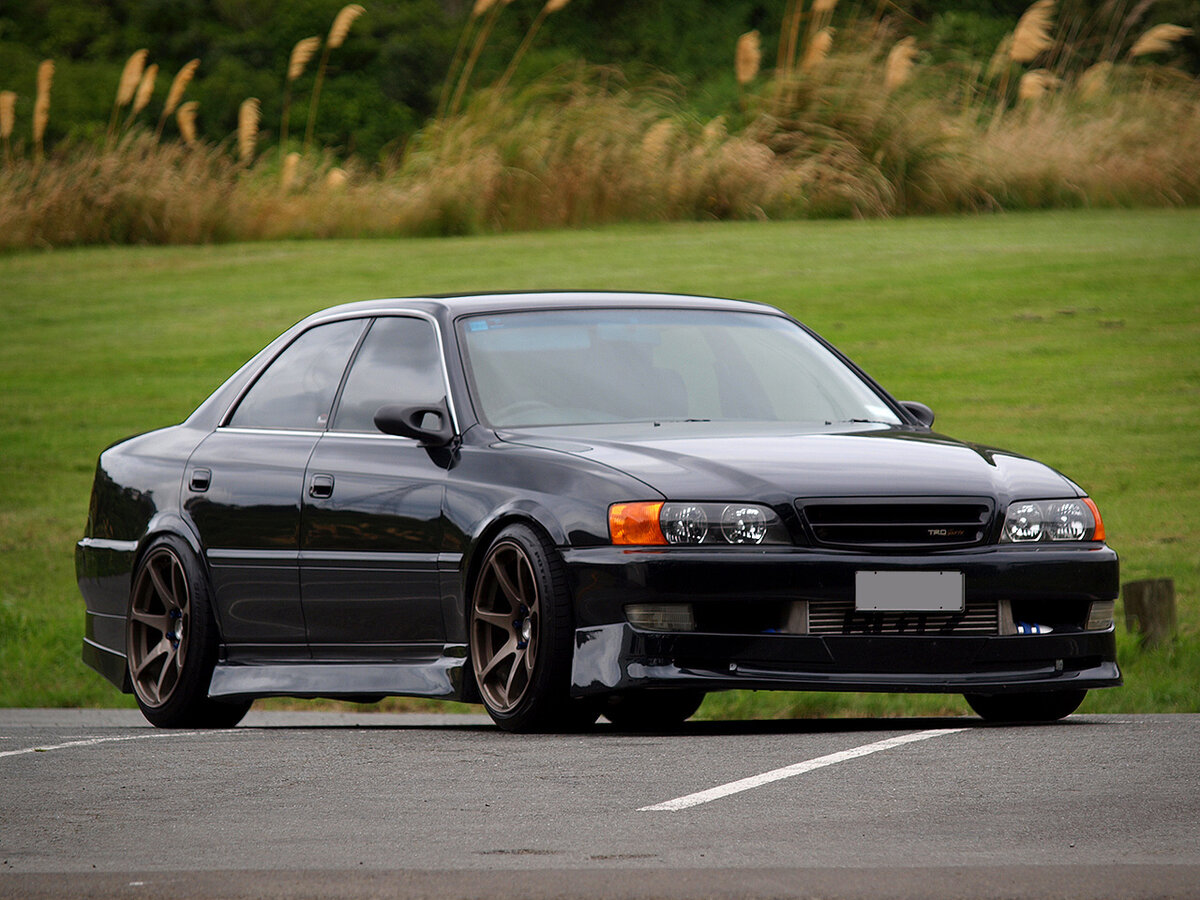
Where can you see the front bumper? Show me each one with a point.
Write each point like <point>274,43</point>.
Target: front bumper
<point>612,655</point>
<point>617,657</point>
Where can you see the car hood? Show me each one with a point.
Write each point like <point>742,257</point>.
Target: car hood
<point>720,461</point>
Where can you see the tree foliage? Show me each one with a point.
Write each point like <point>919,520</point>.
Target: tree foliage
<point>385,81</point>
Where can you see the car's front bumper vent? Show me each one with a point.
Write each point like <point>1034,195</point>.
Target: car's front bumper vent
<point>901,524</point>
<point>827,617</point>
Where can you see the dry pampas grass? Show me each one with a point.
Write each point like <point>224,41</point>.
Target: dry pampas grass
<point>131,76</point>
<point>1032,35</point>
<point>1035,85</point>
<point>302,54</point>
<point>8,119</point>
<point>1094,80</point>
<point>41,104</point>
<point>1158,39</point>
<point>175,93</point>
<point>337,36</point>
<point>287,173</point>
<point>145,89</point>
<point>8,113</point>
<point>179,84</point>
<point>185,118</point>
<point>249,114</point>
<point>900,62</point>
<point>818,50</point>
<point>748,57</point>
<point>341,24</point>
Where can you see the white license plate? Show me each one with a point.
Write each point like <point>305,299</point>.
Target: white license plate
<point>909,591</point>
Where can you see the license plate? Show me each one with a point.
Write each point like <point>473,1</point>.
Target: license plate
<point>909,591</point>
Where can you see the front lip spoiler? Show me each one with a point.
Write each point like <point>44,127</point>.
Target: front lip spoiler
<point>618,657</point>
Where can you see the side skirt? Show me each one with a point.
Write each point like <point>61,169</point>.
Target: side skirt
<point>440,678</point>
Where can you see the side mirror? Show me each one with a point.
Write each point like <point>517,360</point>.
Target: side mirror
<point>919,411</point>
<point>428,423</point>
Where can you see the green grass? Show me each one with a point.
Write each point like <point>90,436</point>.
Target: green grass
<point>1070,336</point>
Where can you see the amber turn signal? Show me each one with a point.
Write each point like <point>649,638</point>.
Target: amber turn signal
<point>635,523</point>
<point>1098,534</point>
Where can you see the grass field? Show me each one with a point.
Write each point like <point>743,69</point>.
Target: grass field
<point>1069,336</point>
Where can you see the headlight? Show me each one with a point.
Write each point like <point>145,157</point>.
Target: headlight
<point>691,524</point>
<point>1028,521</point>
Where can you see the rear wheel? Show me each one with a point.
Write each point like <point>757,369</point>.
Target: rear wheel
<point>171,641</point>
<point>651,710</point>
<point>521,635</point>
<point>1047,706</point>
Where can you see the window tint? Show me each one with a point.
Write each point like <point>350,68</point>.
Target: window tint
<point>398,363</point>
<point>296,390</point>
<point>573,367</point>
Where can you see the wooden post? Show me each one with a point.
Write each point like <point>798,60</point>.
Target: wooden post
<point>1150,609</point>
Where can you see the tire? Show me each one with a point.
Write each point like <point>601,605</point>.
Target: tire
<point>521,636</point>
<point>171,641</point>
<point>652,710</point>
<point>1048,706</point>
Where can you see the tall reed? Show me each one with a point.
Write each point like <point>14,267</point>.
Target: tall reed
<point>900,62</point>
<point>249,114</point>
<point>551,6</point>
<point>492,12</point>
<point>8,119</point>
<point>185,118</point>
<point>141,97</point>
<point>175,93</point>
<point>304,51</point>
<point>131,77</point>
<point>747,57</point>
<point>1159,39</point>
<point>41,106</point>
<point>337,36</point>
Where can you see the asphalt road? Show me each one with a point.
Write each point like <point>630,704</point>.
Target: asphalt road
<point>96,803</point>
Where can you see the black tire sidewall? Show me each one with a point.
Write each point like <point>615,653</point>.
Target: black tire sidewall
<point>546,704</point>
<point>1046,706</point>
<point>189,705</point>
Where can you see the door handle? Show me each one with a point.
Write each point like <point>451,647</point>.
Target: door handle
<point>320,487</point>
<point>199,480</point>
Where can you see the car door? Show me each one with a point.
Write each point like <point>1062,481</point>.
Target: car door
<point>371,528</point>
<point>243,485</point>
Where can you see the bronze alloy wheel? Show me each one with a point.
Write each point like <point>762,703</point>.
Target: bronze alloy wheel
<point>160,619</point>
<point>505,626</point>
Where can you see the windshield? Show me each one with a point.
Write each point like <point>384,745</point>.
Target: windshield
<point>596,366</point>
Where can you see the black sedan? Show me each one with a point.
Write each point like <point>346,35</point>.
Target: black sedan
<point>563,505</point>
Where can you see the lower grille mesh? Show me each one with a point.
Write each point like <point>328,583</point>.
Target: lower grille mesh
<point>840,617</point>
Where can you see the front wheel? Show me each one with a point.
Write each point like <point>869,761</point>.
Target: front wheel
<point>521,636</point>
<point>1048,706</point>
<point>171,641</point>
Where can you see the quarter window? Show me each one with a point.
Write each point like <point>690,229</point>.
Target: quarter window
<point>397,363</point>
<point>297,389</point>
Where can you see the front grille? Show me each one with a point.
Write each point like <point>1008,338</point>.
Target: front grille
<point>902,524</point>
<point>840,617</point>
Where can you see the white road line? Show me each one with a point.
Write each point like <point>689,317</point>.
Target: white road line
<point>102,740</point>
<point>746,784</point>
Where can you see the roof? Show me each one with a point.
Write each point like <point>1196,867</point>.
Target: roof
<point>455,305</point>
